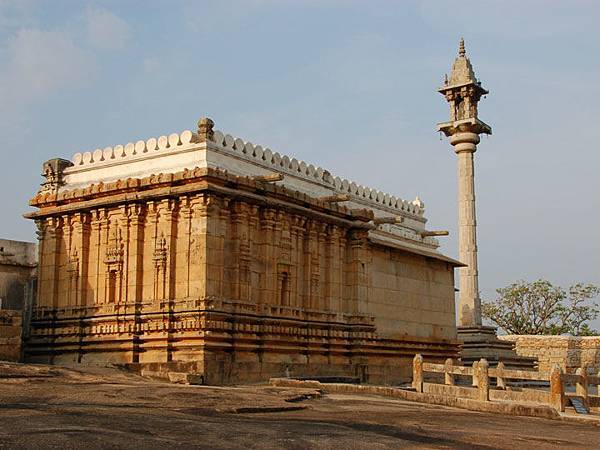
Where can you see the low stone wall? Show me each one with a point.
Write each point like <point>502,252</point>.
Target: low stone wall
<point>568,352</point>
<point>10,335</point>
<point>501,406</point>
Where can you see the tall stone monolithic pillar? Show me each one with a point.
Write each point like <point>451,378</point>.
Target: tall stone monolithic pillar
<point>463,91</point>
<point>470,303</point>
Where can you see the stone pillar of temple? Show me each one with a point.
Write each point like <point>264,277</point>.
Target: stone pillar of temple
<point>463,92</point>
<point>469,313</point>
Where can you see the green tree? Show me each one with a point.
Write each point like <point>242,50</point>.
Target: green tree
<point>542,308</point>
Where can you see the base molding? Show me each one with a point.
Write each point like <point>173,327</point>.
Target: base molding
<point>228,346</point>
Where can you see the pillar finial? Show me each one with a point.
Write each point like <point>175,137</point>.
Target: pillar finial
<point>461,48</point>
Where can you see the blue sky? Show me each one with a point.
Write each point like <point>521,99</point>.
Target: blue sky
<point>350,86</point>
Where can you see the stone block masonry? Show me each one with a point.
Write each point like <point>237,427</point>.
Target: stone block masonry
<point>10,335</point>
<point>18,262</point>
<point>568,352</point>
<point>232,263</point>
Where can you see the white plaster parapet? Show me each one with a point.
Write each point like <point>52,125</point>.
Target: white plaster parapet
<point>123,153</point>
<point>185,150</point>
<point>167,145</point>
<point>283,163</point>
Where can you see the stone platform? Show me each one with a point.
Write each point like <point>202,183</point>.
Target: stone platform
<point>482,342</point>
<point>54,407</point>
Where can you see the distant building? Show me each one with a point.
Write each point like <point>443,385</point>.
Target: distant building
<point>18,269</point>
<point>18,263</point>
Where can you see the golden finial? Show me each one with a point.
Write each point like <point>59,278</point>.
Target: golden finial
<point>461,48</point>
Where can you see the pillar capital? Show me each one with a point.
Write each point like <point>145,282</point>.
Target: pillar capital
<point>464,141</point>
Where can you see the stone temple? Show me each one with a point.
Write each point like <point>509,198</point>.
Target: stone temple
<point>203,253</point>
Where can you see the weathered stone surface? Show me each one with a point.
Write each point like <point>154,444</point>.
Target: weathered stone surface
<point>434,394</point>
<point>570,353</point>
<point>10,335</point>
<point>50,407</point>
<point>18,262</point>
<point>241,276</point>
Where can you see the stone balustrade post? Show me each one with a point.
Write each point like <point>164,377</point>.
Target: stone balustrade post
<point>500,381</point>
<point>483,380</point>
<point>557,389</point>
<point>417,382</point>
<point>475,382</point>
<point>448,375</point>
<point>581,387</point>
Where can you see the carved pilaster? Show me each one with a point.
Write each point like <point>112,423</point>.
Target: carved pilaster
<point>47,268</point>
<point>240,250</point>
<point>64,294</point>
<point>358,270</point>
<point>113,261</point>
<point>184,227</point>
<point>135,252</point>
<point>269,279</point>
<point>73,277</point>
<point>164,248</point>
<point>297,231</point>
<point>54,232</point>
<point>197,259</point>
<point>159,258</point>
<point>80,248</point>
<point>217,253</point>
<point>313,265</point>
<point>342,248</point>
<point>284,261</point>
<point>331,263</point>
<point>99,244</point>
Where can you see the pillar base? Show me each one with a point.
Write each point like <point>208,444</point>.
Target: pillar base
<point>481,342</point>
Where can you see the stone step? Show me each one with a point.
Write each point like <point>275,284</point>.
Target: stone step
<point>330,379</point>
<point>579,405</point>
<point>173,377</point>
<point>185,378</point>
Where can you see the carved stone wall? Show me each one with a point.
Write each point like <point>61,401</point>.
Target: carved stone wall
<point>231,278</point>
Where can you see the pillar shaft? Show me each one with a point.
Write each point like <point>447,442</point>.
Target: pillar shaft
<point>465,145</point>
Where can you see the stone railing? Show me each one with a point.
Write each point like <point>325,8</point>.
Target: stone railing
<point>500,384</point>
<point>584,384</point>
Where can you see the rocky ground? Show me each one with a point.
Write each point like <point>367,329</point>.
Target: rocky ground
<point>51,407</point>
